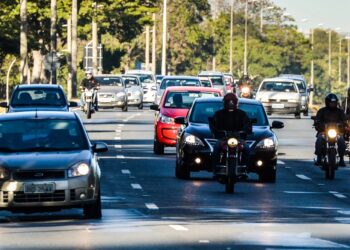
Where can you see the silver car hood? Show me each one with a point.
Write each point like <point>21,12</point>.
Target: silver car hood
<point>111,89</point>
<point>277,95</point>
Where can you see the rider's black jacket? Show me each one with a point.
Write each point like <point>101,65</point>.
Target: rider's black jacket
<point>327,115</point>
<point>234,121</point>
<point>89,83</point>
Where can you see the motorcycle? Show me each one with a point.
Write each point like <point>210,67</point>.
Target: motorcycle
<point>246,92</point>
<point>88,97</point>
<point>230,158</point>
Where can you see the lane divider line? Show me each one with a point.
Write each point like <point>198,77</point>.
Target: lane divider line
<point>117,138</point>
<point>204,241</point>
<point>118,131</point>
<point>117,146</point>
<point>152,206</point>
<point>120,157</point>
<point>178,227</point>
<point>281,162</point>
<point>136,186</point>
<point>303,177</point>
<point>338,195</point>
<point>126,171</point>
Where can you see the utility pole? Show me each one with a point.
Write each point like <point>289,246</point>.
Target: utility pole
<point>154,45</point>
<point>329,61</point>
<point>53,41</point>
<point>74,46</point>
<point>164,37</point>
<point>24,42</point>
<point>340,61</point>
<point>69,45</point>
<point>312,67</point>
<point>147,47</point>
<point>245,70</point>
<point>348,66</point>
<point>94,41</point>
<point>231,39</point>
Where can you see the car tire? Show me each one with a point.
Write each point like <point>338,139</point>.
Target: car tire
<point>268,175</point>
<point>182,171</point>
<point>125,108</point>
<point>306,112</point>
<point>93,211</point>
<point>158,148</point>
<point>140,106</point>
<point>297,115</point>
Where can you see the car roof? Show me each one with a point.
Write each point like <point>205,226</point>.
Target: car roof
<point>108,75</point>
<point>180,77</point>
<point>279,79</point>
<point>292,76</point>
<point>28,115</point>
<point>127,75</point>
<point>39,86</point>
<point>210,73</point>
<point>138,71</point>
<point>220,99</point>
<point>191,88</point>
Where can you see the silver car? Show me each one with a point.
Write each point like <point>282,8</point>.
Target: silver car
<point>148,82</point>
<point>48,163</point>
<point>280,96</point>
<point>112,92</point>
<point>134,90</point>
<point>217,80</point>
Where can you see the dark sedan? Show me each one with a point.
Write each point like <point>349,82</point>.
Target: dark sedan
<point>47,162</point>
<point>28,97</point>
<point>195,142</point>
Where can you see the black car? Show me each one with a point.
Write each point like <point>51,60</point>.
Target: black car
<point>48,163</point>
<point>28,97</point>
<point>195,142</point>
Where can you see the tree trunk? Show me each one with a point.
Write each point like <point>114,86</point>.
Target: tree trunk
<point>24,42</point>
<point>38,69</point>
<point>74,46</point>
<point>53,38</point>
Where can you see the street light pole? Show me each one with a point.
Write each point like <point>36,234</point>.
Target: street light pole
<point>245,39</point>
<point>329,60</point>
<point>53,38</point>
<point>340,60</point>
<point>94,41</point>
<point>74,46</point>
<point>312,67</point>
<point>231,39</point>
<point>147,46</point>
<point>164,37</point>
<point>154,45</point>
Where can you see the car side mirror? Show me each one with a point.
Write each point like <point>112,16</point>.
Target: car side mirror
<point>277,125</point>
<point>154,87</point>
<point>99,147</point>
<point>154,107</point>
<point>3,105</point>
<point>73,104</point>
<point>180,120</point>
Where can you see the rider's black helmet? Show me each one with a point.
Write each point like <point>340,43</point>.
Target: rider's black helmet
<point>331,98</point>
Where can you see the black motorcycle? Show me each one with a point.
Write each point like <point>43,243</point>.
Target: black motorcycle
<point>230,158</point>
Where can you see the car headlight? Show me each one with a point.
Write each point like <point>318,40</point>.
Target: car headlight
<point>332,133</point>
<point>193,140</point>
<point>232,142</point>
<point>303,98</point>
<point>267,143</point>
<point>4,173</point>
<point>80,169</point>
<point>166,119</point>
<point>120,94</point>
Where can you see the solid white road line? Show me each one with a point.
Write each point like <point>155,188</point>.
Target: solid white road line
<point>120,157</point>
<point>117,138</point>
<point>118,131</point>
<point>120,125</point>
<point>151,206</point>
<point>178,228</point>
<point>136,186</point>
<point>301,192</point>
<point>117,146</point>
<point>204,241</point>
<point>303,177</point>
<point>338,195</point>
<point>126,171</point>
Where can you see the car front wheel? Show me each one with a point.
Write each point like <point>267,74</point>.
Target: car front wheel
<point>158,148</point>
<point>93,211</point>
<point>182,171</point>
<point>268,175</point>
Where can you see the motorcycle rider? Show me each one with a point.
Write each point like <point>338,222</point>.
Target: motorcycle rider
<point>245,86</point>
<point>230,119</point>
<point>89,82</point>
<point>329,114</point>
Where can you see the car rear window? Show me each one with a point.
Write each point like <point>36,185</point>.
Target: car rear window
<point>217,80</point>
<point>131,81</point>
<point>41,135</point>
<point>184,100</point>
<point>278,86</point>
<point>179,82</point>
<point>201,111</point>
<point>110,81</point>
<point>38,97</point>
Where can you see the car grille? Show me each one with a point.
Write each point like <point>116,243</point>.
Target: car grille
<point>105,95</point>
<point>39,174</point>
<point>278,100</point>
<point>21,197</point>
<point>212,142</point>
<point>72,195</point>
<point>5,196</point>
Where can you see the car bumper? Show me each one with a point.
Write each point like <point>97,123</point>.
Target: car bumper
<point>282,108</point>
<point>267,157</point>
<point>134,100</point>
<point>167,133</point>
<point>149,97</point>
<point>74,192</point>
<point>111,104</point>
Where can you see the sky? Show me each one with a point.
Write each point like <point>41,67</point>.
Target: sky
<point>331,13</point>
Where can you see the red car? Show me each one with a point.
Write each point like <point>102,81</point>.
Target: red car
<point>176,101</point>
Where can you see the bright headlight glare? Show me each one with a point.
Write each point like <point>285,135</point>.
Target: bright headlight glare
<point>4,173</point>
<point>193,140</point>
<point>232,142</point>
<point>245,90</point>
<point>81,169</point>
<point>266,143</point>
<point>332,133</point>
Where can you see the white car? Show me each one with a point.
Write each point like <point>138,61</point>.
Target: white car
<point>148,82</point>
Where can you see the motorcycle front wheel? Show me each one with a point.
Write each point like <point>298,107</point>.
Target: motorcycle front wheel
<point>332,161</point>
<point>231,177</point>
<point>88,111</point>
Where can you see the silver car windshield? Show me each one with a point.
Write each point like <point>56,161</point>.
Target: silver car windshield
<point>110,81</point>
<point>278,86</point>
<point>41,135</point>
<point>38,97</point>
<point>179,82</point>
<point>201,111</point>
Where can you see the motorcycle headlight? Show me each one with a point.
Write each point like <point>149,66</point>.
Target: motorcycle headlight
<point>232,142</point>
<point>267,143</point>
<point>80,169</point>
<point>245,90</point>
<point>193,140</point>
<point>166,119</point>
<point>4,173</point>
<point>332,133</point>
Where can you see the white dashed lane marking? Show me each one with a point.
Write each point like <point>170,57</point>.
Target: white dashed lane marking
<point>303,177</point>
<point>117,138</point>
<point>338,195</point>
<point>136,186</point>
<point>120,157</point>
<point>118,131</point>
<point>126,171</point>
<point>117,146</point>
<point>178,227</point>
<point>152,206</point>
<point>280,162</point>
<point>204,241</point>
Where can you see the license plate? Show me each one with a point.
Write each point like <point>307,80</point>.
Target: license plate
<point>278,106</point>
<point>43,188</point>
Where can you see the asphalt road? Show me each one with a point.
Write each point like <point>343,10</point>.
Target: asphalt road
<point>146,207</point>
